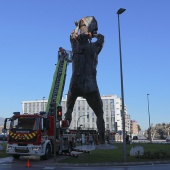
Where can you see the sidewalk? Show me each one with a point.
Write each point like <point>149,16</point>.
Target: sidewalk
<point>6,160</point>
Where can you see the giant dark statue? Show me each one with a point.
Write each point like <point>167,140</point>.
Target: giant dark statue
<point>83,81</point>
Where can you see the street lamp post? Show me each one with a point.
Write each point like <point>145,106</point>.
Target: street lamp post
<point>79,119</point>
<point>120,11</point>
<point>43,103</point>
<point>150,139</point>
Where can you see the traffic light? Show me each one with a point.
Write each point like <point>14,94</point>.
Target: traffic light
<point>59,112</point>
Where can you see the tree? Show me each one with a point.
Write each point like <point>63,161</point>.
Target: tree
<point>153,131</point>
<point>146,133</point>
<point>159,131</point>
<point>166,127</point>
<point>139,129</point>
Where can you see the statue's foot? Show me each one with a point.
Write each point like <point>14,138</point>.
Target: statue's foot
<point>68,118</point>
<point>102,138</point>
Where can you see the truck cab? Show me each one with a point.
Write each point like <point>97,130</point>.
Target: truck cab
<point>28,135</point>
<point>34,135</point>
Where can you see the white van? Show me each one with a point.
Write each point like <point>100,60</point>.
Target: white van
<point>168,139</point>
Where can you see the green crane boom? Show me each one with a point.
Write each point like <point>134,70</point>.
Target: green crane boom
<point>56,92</point>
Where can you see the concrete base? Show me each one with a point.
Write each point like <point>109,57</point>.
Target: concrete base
<point>93,147</point>
<point>105,146</point>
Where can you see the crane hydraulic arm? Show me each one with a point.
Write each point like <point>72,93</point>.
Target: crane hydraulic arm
<point>64,57</point>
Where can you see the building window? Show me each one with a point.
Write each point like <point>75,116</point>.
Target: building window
<point>111,101</point>
<point>112,119</point>
<point>107,119</point>
<point>113,127</point>
<point>107,126</point>
<point>112,113</point>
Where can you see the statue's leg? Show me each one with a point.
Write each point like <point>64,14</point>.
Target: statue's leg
<point>95,102</point>
<point>71,98</point>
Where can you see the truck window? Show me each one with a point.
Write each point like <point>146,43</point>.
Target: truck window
<point>25,123</point>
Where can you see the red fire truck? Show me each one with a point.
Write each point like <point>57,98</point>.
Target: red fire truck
<point>44,133</point>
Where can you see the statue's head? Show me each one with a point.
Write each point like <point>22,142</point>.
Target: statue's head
<point>88,24</point>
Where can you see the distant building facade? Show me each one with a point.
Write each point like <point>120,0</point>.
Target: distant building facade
<point>134,127</point>
<point>111,108</point>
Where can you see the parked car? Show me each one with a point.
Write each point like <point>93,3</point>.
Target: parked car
<point>3,137</point>
<point>135,138</point>
<point>168,139</point>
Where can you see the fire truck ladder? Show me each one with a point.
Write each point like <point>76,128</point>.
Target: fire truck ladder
<point>64,57</point>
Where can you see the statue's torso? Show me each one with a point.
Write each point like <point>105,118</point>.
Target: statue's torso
<point>85,59</point>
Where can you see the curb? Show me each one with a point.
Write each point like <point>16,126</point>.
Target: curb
<point>114,164</point>
<point>51,162</point>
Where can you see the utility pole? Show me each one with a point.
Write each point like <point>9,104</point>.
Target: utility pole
<point>120,11</point>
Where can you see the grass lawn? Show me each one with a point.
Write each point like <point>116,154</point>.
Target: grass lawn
<point>3,152</point>
<point>116,155</point>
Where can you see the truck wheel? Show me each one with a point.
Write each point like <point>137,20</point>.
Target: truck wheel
<point>47,153</point>
<point>16,156</point>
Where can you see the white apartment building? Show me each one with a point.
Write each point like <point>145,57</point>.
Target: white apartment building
<point>111,108</point>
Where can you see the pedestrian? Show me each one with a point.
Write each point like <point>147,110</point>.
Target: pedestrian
<point>107,138</point>
<point>91,139</point>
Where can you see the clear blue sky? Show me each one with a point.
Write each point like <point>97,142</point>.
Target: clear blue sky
<point>31,31</point>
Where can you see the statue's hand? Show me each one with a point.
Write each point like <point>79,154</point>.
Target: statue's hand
<point>76,23</point>
<point>74,33</point>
